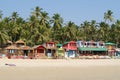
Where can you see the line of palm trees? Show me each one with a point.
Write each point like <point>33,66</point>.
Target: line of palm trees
<point>40,28</point>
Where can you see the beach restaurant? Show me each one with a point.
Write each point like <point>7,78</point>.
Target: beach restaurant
<point>91,48</point>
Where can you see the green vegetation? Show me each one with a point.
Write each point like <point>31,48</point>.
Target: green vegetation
<point>40,28</point>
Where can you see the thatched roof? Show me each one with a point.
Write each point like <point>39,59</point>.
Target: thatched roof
<point>9,42</point>
<point>11,47</point>
<point>20,41</point>
<point>25,48</point>
<point>34,47</point>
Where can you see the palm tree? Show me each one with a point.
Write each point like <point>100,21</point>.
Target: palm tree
<point>70,31</point>
<point>44,19</point>
<point>86,28</point>
<point>104,31</point>
<point>14,16</point>
<point>117,31</point>
<point>3,34</point>
<point>108,16</point>
<point>37,12</point>
<point>13,26</point>
<point>92,30</point>
<point>57,22</point>
<point>1,15</point>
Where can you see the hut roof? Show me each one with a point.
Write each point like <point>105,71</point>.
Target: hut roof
<point>25,48</point>
<point>9,41</point>
<point>59,45</point>
<point>38,46</point>
<point>11,47</point>
<point>35,46</point>
<point>19,41</point>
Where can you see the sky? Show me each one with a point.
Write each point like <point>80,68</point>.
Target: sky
<point>76,11</point>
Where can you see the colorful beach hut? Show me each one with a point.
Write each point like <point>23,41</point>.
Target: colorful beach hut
<point>70,49</point>
<point>111,48</point>
<point>51,49</point>
<point>39,51</point>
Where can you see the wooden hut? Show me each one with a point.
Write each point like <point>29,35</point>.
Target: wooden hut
<point>111,48</point>
<point>39,52</point>
<point>26,51</point>
<point>12,50</point>
<point>51,49</point>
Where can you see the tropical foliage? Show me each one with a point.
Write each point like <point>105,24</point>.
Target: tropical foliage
<point>40,28</point>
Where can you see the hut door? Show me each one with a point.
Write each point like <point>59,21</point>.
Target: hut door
<point>25,52</point>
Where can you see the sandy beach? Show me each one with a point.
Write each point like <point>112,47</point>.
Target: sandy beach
<point>66,69</point>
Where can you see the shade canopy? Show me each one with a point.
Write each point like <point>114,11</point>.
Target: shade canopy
<point>92,49</point>
<point>59,45</point>
<point>110,43</point>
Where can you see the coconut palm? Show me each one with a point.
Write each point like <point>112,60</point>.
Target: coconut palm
<point>14,16</point>
<point>86,28</point>
<point>117,32</point>
<point>3,34</point>
<point>70,31</point>
<point>92,30</point>
<point>37,12</point>
<point>104,31</point>
<point>57,22</point>
<point>108,16</point>
<point>1,15</point>
<point>44,19</point>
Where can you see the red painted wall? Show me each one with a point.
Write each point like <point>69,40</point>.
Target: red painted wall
<point>70,46</point>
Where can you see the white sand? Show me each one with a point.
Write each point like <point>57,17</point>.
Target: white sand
<point>94,69</point>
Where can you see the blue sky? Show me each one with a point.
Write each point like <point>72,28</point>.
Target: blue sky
<point>71,10</point>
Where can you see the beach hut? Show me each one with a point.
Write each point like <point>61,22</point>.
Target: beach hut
<point>51,49</point>
<point>26,51</point>
<point>12,50</point>
<point>117,53</point>
<point>60,53</point>
<point>70,49</point>
<point>39,51</point>
<point>111,48</point>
